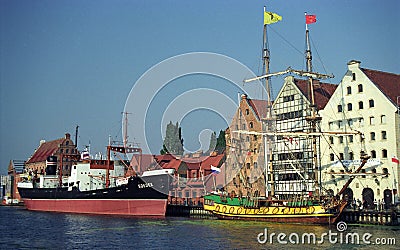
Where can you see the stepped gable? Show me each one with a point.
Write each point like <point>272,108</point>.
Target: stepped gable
<point>322,91</point>
<point>388,83</point>
<point>45,150</point>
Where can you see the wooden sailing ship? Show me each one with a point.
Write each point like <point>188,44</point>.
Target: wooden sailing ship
<point>311,204</point>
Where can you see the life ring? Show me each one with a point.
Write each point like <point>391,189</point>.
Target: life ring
<point>231,210</point>
<point>275,211</point>
<point>310,210</point>
<point>266,210</point>
<point>239,211</point>
<point>217,208</point>
<point>224,209</point>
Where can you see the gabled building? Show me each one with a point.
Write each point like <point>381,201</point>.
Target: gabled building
<point>366,101</point>
<point>63,146</point>
<point>193,175</point>
<point>245,163</point>
<point>293,167</point>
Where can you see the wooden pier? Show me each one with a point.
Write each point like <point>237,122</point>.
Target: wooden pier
<point>386,217</point>
<point>188,211</point>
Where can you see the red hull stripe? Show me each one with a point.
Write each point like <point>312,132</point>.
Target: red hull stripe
<point>138,207</point>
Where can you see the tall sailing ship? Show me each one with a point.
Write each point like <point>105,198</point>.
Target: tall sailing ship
<point>308,202</point>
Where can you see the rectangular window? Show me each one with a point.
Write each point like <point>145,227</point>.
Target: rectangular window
<point>349,90</point>
<point>339,108</point>
<point>351,138</point>
<point>340,139</point>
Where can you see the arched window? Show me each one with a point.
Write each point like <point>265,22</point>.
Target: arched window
<point>383,119</point>
<point>351,156</point>
<point>373,154</point>
<point>372,120</point>
<point>332,157</point>
<point>360,88</point>
<point>371,103</point>
<point>349,90</point>
<point>339,108</point>
<point>372,136</point>
<point>384,153</point>
<point>349,106</point>
<point>251,124</point>
<point>384,135</point>
<point>247,112</point>
<point>360,105</point>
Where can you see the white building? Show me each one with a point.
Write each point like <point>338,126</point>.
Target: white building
<point>366,101</point>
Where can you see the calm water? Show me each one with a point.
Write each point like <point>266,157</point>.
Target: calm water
<point>22,229</point>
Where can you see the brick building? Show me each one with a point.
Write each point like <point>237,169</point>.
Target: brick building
<point>63,146</point>
<point>244,166</point>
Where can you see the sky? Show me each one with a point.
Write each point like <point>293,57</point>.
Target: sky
<point>68,63</point>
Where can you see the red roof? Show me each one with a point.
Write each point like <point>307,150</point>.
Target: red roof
<point>193,163</point>
<point>322,91</point>
<point>259,107</point>
<point>45,150</point>
<point>388,83</point>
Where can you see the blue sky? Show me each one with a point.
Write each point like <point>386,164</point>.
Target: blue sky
<point>68,63</point>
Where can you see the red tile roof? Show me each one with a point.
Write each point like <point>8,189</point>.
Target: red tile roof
<point>322,91</point>
<point>193,163</point>
<point>45,150</point>
<point>259,107</point>
<point>388,83</point>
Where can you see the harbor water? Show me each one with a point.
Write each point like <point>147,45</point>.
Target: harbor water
<point>23,229</point>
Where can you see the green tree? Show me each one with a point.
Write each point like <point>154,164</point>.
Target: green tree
<point>173,142</point>
<point>221,143</point>
<point>213,142</point>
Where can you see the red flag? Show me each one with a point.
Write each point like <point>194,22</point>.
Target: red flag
<point>311,19</point>
<point>395,159</point>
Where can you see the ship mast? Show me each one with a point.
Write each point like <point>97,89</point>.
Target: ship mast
<point>313,119</point>
<point>269,175</point>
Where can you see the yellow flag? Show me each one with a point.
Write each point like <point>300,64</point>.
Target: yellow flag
<point>270,18</point>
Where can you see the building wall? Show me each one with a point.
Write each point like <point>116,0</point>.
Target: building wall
<point>244,169</point>
<point>382,120</point>
<point>292,155</point>
<point>67,147</point>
